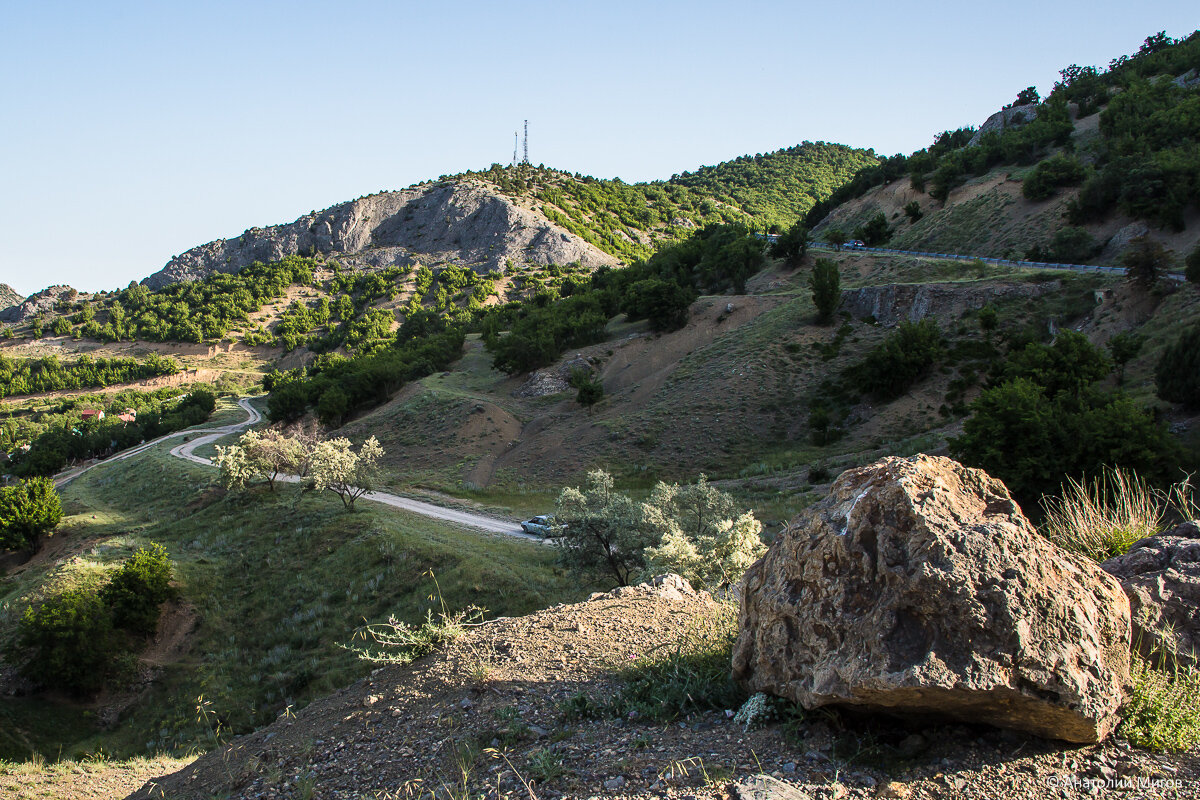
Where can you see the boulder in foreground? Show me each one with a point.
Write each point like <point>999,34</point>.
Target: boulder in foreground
<point>918,588</point>
<point>1161,576</point>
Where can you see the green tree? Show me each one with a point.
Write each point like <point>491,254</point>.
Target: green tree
<point>989,320</point>
<point>664,304</point>
<point>1123,348</point>
<point>1144,261</point>
<point>792,245</point>
<point>603,531</point>
<point>826,284</point>
<point>836,237</point>
<point>1027,97</point>
<point>28,511</point>
<point>1193,266</point>
<point>590,390</point>
<point>332,406</point>
<point>1177,374</point>
<point>874,231</point>
<point>912,210</point>
<point>135,593</point>
<point>1072,245</point>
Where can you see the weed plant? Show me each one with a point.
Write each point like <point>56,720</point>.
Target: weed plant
<point>1103,517</point>
<point>1164,707</point>
<point>694,675</point>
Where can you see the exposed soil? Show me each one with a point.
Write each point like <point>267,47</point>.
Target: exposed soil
<point>486,718</point>
<point>80,780</point>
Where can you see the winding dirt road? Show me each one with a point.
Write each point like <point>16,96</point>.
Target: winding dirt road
<point>187,451</point>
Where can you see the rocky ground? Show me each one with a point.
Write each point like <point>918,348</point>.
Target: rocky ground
<point>497,714</point>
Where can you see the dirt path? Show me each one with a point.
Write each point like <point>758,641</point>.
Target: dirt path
<point>187,451</point>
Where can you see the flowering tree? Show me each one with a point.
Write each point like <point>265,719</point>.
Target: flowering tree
<point>348,474</point>
<point>703,538</point>
<point>266,454</point>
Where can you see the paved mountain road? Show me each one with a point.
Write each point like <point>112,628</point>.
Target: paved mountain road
<point>187,451</point>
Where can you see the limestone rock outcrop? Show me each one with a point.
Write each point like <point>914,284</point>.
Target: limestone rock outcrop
<point>457,222</point>
<point>1011,117</point>
<point>39,303</point>
<point>8,297</point>
<point>1161,576</point>
<point>918,588</point>
<point>892,303</point>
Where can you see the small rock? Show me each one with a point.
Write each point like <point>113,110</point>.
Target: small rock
<point>467,704</point>
<point>371,700</point>
<point>895,790</point>
<point>612,784</point>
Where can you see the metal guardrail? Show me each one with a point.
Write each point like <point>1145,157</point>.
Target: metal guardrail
<point>1004,262</point>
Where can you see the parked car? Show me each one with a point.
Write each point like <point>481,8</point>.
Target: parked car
<point>855,243</point>
<point>543,525</point>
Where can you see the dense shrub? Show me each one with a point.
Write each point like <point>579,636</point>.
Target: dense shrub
<point>1044,421</point>
<point>1177,374</point>
<point>903,357</point>
<point>1059,170</point>
<point>28,511</point>
<point>69,641</point>
<point>663,304</point>
<point>874,231</point>
<point>137,590</point>
<point>1193,266</point>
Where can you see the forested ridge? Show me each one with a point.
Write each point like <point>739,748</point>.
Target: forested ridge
<point>765,191</point>
<point>19,376</point>
<point>1145,161</point>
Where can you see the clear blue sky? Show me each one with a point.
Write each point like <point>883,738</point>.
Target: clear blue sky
<point>133,131</point>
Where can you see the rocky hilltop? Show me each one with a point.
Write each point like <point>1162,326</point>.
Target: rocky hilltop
<point>21,310</point>
<point>466,223</point>
<point>8,297</point>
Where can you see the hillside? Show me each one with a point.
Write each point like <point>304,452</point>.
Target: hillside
<point>533,215</point>
<point>1107,157</point>
<point>520,708</point>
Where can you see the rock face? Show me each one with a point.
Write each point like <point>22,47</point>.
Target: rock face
<point>1161,576</point>
<point>1012,117</point>
<point>891,304</point>
<point>8,297</point>
<point>918,588</point>
<point>35,304</point>
<point>544,382</point>
<point>465,223</point>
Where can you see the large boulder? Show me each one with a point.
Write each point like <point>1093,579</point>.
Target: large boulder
<point>918,588</point>
<point>1161,576</point>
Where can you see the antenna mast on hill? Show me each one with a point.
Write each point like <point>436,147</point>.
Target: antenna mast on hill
<point>526,161</point>
<point>514,161</point>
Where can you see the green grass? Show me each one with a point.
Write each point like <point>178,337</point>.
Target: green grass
<point>276,581</point>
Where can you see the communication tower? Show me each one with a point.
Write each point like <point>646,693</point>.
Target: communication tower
<point>526,159</point>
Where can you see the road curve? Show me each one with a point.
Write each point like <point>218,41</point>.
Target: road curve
<point>187,451</point>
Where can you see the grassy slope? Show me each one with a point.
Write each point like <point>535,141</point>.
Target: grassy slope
<point>274,581</point>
